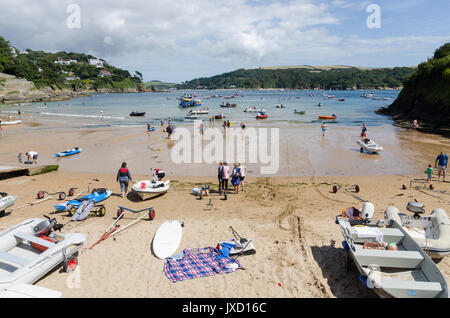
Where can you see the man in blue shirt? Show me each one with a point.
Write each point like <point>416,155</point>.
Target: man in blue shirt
<point>442,159</point>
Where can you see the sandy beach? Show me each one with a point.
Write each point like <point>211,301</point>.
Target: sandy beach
<point>289,216</point>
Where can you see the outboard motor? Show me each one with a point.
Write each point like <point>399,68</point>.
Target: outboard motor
<point>416,208</point>
<point>367,211</point>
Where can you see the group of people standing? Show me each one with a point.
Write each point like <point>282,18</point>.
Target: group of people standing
<point>237,175</point>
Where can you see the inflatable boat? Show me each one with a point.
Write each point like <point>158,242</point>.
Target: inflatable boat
<point>431,233</point>
<point>369,145</point>
<point>323,117</point>
<point>191,116</point>
<point>147,189</point>
<point>390,262</point>
<point>29,250</point>
<point>6,202</point>
<point>68,152</point>
<point>261,116</point>
<point>97,196</point>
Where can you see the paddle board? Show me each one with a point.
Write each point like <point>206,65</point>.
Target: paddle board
<point>167,239</point>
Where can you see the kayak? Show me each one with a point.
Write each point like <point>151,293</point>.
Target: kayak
<point>97,195</point>
<point>327,117</point>
<point>68,152</point>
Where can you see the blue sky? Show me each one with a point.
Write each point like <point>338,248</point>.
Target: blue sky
<point>177,40</point>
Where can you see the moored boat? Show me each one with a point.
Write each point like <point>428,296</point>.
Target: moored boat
<point>147,189</point>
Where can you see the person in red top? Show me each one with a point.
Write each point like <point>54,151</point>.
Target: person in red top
<point>160,174</point>
<point>123,177</point>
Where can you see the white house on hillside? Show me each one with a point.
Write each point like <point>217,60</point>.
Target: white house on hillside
<point>96,62</point>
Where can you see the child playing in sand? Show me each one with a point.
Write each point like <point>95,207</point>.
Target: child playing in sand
<point>429,173</point>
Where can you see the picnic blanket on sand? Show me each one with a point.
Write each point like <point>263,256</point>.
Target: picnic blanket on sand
<point>199,262</point>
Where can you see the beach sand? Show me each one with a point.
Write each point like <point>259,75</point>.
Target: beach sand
<point>289,218</point>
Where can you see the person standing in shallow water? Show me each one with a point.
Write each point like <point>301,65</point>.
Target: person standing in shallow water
<point>123,177</point>
<point>324,128</point>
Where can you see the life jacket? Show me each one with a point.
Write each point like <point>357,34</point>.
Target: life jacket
<point>123,172</point>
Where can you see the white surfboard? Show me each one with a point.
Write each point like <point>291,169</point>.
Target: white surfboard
<point>13,122</point>
<point>167,239</point>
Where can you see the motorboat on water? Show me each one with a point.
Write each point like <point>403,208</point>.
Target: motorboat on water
<point>280,106</point>
<point>431,233</point>
<point>389,260</point>
<point>137,114</point>
<point>31,249</point>
<point>228,105</point>
<point>191,116</point>
<point>254,110</point>
<point>147,189</point>
<point>300,112</point>
<point>199,112</point>
<point>369,145</point>
<point>261,115</point>
<point>189,102</point>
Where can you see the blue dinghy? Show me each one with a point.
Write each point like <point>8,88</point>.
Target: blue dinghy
<point>68,152</point>
<point>97,195</point>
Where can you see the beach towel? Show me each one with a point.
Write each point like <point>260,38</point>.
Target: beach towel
<point>83,210</point>
<point>199,262</point>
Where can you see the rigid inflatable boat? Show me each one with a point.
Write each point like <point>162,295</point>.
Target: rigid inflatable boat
<point>432,233</point>
<point>29,250</point>
<point>390,262</point>
<point>369,145</point>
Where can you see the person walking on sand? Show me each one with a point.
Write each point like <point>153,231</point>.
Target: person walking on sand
<point>236,178</point>
<point>364,131</point>
<point>219,175</point>
<point>19,156</point>
<point>169,130</point>
<point>225,176</point>
<point>441,164</point>
<point>429,173</point>
<point>123,177</point>
<point>324,128</point>
<point>32,155</point>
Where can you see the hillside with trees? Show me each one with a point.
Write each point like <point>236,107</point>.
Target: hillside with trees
<point>426,95</point>
<point>63,70</point>
<point>307,77</point>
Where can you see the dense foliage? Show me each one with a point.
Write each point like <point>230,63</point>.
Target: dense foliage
<point>304,78</point>
<point>40,68</point>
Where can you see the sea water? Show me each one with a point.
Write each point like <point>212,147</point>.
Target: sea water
<point>113,109</point>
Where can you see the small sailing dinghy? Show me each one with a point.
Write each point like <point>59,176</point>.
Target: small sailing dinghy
<point>390,262</point>
<point>147,189</point>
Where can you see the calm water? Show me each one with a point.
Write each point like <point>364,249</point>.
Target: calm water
<point>86,111</point>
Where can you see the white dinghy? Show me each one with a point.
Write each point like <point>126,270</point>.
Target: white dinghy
<point>147,189</point>
<point>390,262</point>
<point>6,202</point>
<point>431,233</point>
<point>369,145</point>
<point>28,252</point>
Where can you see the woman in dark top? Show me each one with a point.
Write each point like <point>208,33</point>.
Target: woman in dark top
<point>123,177</point>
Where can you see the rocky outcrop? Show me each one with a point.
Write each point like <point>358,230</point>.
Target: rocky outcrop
<point>16,90</point>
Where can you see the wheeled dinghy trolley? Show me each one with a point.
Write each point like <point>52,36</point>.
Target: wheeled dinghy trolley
<point>61,195</point>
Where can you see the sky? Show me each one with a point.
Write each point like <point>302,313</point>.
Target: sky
<point>178,40</point>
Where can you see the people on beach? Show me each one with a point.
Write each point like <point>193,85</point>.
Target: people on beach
<point>324,128</point>
<point>414,124</point>
<point>429,173</point>
<point>225,176</point>
<point>20,158</point>
<point>364,131</point>
<point>32,156</point>
<point>242,126</point>
<point>101,114</point>
<point>19,112</point>
<point>441,164</point>
<point>149,127</point>
<point>219,175</point>
<point>243,173</point>
<point>123,177</point>
<point>236,178</point>
<point>169,131</point>
<point>1,124</point>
